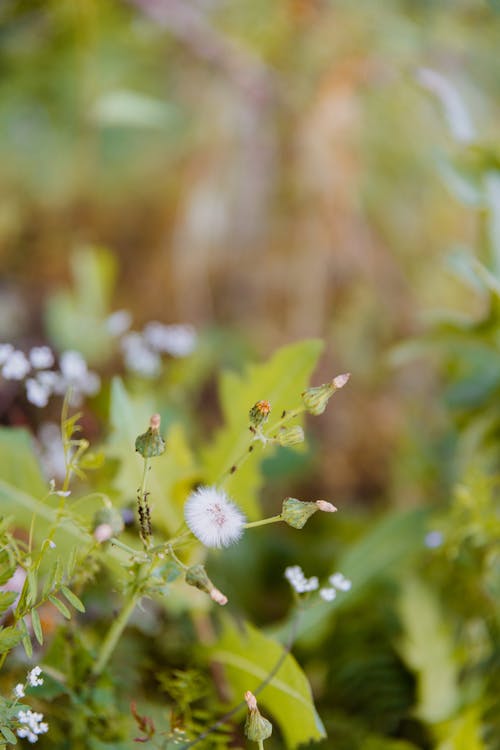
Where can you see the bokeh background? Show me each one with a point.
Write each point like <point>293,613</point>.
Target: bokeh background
<point>267,172</point>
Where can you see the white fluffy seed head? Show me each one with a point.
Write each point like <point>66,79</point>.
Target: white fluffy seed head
<point>213,518</point>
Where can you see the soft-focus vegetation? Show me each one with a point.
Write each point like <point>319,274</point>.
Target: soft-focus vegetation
<point>307,188</point>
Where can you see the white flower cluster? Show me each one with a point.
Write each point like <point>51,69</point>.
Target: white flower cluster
<point>142,351</point>
<point>43,381</point>
<point>297,580</point>
<point>338,583</point>
<point>213,518</point>
<point>34,678</point>
<point>33,725</point>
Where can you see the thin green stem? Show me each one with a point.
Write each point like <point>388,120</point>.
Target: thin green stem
<point>110,642</point>
<point>288,416</point>
<point>260,744</point>
<point>263,521</point>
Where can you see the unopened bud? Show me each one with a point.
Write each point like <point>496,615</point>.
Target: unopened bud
<point>289,436</point>
<point>259,413</point>
<point>257,728</point>
<point>151,443</point>
<point>196,576</point>
<point>296,512</point>
<point>325,506</point>
<point>316,399</point>
<point>107,522</point>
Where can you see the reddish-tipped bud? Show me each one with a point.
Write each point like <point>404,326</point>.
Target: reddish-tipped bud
<point>316,399</point>
<point>257,728</point>
<point>151,443</point>
<point>259,413</point>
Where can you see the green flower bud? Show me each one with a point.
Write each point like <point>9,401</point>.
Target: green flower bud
<point>289,436</point>
<point>296,512</point>
<point>257,728</point>
<point>316,399</point>
<point>196,576</point>
<point>151,443</point>
<point>259,413</point>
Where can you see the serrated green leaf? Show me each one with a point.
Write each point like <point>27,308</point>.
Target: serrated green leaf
<point>9,736</point>
<point>248,657</point>
<point>281,380</point>
<point>72,598</point>
<point>9,637</point>
<point>427,647</point>
<point>37,626</point>
<point>58,604</point>
<point>6,599</point>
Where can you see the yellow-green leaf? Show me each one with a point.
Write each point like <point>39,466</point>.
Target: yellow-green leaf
<point>37,626</point>
<point>248,657</point>
<point>72,598</point>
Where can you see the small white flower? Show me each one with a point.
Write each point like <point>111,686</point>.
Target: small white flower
<point>51,452</point>
<point>139,358</point>
<point>73,366</point>
<point>328,594</point>
<point>177,340</point>
<point>52,544</point>
<point>19,690</point>
<point>213,518</point>
<point>119,322</point>
<point>340,582</point>
<point>36,393</point>
<point>41,357</point>
<point>297,580</point>
<point>16,367</point>
<point>34,724</point>
<point>5,352</point>
<point>33,677</point>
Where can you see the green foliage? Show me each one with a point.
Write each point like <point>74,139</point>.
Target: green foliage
<point>249,657</point>
<point>280,381</point>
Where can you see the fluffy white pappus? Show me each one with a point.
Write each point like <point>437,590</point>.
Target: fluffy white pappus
<point>213,518</point>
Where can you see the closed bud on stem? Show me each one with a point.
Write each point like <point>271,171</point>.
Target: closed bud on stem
<point>197,576</point>
<point>257,728</point>
<point>151,443</point>
<point>289,436</point>
<point>259,413</point>
<point>316,399</point>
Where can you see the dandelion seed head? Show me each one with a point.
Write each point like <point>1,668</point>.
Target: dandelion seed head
<point>213,518</point>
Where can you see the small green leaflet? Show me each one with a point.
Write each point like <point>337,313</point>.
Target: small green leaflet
<point>6,599</point>
<point>37,626</point>
<point>72,599</point>
<point>58,604</point>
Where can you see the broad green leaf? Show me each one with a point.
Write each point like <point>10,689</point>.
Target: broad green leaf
<point>9,637</point>
<point>37,626</point>
<point>248,657</point>
<point>427,647</point>
<point>76,319</point>
<point>58,604</point>
<point>171,475</point>
<point>281,380</point>
<point>6,599</point>
<point>72,599</point>
<point>19,465</point>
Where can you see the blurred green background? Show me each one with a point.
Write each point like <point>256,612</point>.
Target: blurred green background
<point>272,171</point>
